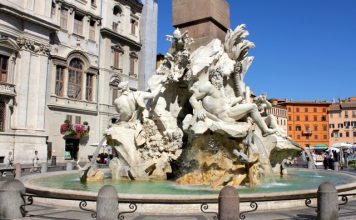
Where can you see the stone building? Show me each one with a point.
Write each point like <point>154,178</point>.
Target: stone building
<point>280,112</point>
<point>342,121</point>
<point>61,61</point>
<point>25,30</point>
<point>307,122</point>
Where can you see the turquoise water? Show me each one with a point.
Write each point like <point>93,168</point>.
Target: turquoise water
<point>296,180</point>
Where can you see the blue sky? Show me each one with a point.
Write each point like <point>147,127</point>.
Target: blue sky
<point>305,49</point>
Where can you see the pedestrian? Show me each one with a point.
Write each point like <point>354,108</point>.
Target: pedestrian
<point>35,160</point>
<point>325,160</point>
<point>9,162</point>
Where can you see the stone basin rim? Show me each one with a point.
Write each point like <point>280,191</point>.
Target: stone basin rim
<point>67,194</point>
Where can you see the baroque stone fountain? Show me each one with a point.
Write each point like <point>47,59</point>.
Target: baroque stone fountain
<point>198,124</point>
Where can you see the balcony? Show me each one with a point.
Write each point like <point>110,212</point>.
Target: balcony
<point>7,89</point>
<point>307,132</point>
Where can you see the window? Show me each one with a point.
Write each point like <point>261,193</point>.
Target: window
<point>306,117</point>
<point>289,117</point>
<point>133,27</point>
<point>114,95</point>
<point>347,124</point>
<point>116,59</point>
<point>346,114</point>
<point>89,87</point>
<point>340,125</point>
<point>133,61</point>
<point>340,134</point>
<point>307,127</point>
<point>117,13</point>
<point>93,2</point>
<point>324,110</point>
<point>92,30</point>
<point>78,119</point>
<point>64,18</point>
<point>3,68</point>
<point>323,118</point>
<point>298,128</point>
<point>316,137</point>
<point>297,109</point>
<point>307,137</point>
<point>325,137</point>
<point>297,118</point>
<point>325,127</point>
<point>298,137</point>
<point>353,124</point>
<point>289,128</point>
<point>69,118</point>
<point>306,109</point>
<point>78,24</point>
<point>332,126</point>
<point>315,127</point>
<point>75,74</point>
<point>59,81</point>
<point>2,115</point>
<point>332,134</point>
<point>354,133</point>
<point>315,110</point>
<point>353,114</point>
<point>289,109</point>
<point>347,134</point>
<point>315,118</point>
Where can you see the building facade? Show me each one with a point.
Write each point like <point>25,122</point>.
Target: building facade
<point>60,64</point>
<point>25,29</point>
<point>342,121</point>
<point>280,112</point>
<point>307,122</point>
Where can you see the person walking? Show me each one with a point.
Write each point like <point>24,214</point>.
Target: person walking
<point>35,166</point>
<point>9,162</point>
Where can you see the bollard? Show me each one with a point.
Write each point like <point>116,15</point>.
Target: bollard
<point>11,200</point>
<point>229,204</point>
<point>336,166</point>
<point>328,207</point>
<point>44,168</point>
<point>69,166</point>
<point>18,170</point>
<point>107,206</point>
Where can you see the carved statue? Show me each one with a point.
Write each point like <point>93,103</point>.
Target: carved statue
<point>130,104</point>
<point>215,105</point>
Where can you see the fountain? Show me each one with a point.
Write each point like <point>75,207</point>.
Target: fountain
<point>196,130</point>
<point>198,123</point>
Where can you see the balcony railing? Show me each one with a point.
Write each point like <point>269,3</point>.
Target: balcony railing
<point>7,89</point>
<point>307,132</point>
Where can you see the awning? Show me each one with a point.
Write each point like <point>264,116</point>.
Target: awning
<point>321,147</point>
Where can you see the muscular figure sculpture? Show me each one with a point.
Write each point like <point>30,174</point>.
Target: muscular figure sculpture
<point>130,102</point>
<point>209,100</point>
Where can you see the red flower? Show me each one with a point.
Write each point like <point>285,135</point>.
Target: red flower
<point>64,128</point>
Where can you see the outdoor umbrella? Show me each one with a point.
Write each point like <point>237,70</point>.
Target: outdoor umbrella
<point>339,145</point>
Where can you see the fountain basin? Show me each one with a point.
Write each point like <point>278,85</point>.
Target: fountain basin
<point>299,184</point>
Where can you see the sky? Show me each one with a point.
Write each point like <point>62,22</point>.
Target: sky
<point>305,49</point>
